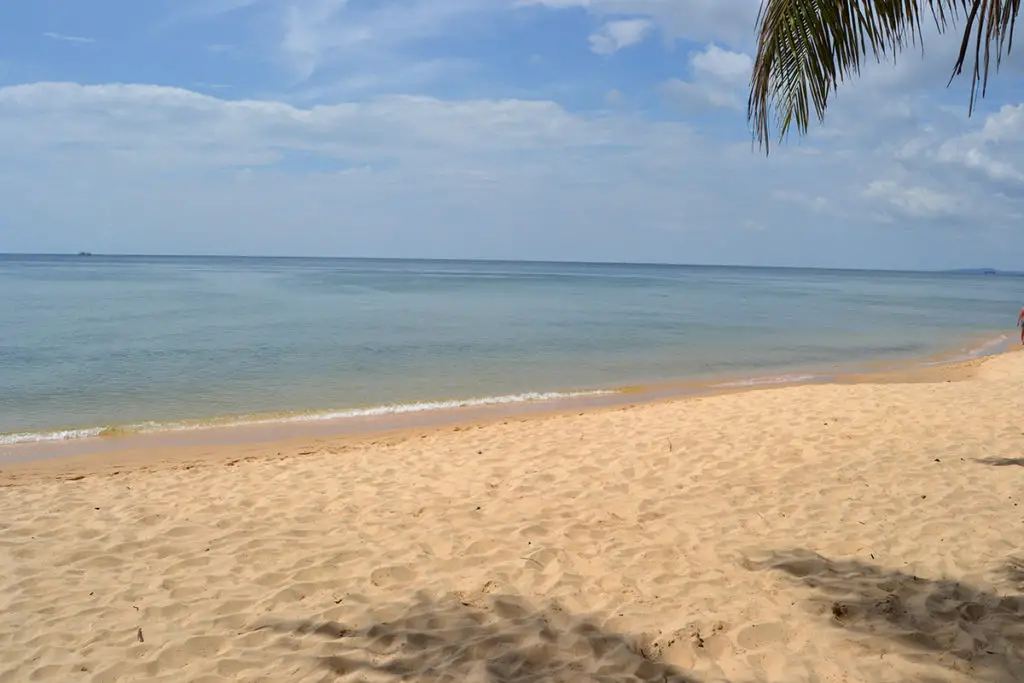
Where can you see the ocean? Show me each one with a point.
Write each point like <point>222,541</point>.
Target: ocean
<point>93,345</point>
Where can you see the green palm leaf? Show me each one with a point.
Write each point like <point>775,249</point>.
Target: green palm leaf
<point>806,48</point>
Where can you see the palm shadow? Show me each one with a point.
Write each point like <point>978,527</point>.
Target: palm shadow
<point>502,640</point>
<point>1002,462</point>
<point>1013,570</point>
<point>942,622</point>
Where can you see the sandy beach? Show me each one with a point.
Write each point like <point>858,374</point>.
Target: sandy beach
<point>846,532</point>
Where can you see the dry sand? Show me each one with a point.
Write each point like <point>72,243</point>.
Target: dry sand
<point>844,532</point>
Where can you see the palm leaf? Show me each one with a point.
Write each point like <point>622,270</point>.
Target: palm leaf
<point>806,48</point>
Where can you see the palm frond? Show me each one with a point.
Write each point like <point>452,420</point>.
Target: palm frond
<point>806,48</point>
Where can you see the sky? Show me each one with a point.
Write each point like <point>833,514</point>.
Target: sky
<point>593,130</point>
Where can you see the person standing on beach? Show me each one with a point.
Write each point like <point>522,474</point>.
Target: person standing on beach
<point>1020,324</point>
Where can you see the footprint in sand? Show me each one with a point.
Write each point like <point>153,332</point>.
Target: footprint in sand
<point>231,668</point>
<point>760,636</point>
<point>481,547</point>
<point>533,531</point>
<point>392,576</point>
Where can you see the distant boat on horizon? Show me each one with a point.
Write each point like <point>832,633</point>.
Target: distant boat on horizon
<point>85,253</point>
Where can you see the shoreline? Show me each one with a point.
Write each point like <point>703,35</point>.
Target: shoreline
<point>202,443</point>
<point>39,443</point>
<point>861,530</point>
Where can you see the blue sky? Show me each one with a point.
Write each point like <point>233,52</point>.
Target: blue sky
<point>539,129</point>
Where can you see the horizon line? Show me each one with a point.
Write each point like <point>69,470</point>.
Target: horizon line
<point>669,264</point>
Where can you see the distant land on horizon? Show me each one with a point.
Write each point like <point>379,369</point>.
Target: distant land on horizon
<point>984,271</point>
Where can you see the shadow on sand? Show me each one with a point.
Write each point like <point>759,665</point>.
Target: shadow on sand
<point>1002,462</point>
<point>938,622</point>
<point>502,640</point>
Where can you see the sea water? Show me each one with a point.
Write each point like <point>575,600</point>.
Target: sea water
<point>93,343</point>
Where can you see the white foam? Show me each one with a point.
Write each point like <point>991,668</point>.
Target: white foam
<point>374,411</point>
<point>767,381</point>
<point>986,348</point>
<point>40,437</point>
<point>401,408</point>
<point>991,346</point>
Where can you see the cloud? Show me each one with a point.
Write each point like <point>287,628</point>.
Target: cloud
<point>817,203</point>
<point>414,175</point>
<point>363,40</point>
<point>719,80</point>
<point>621,33</point>
<point>989,153</point>
<point>69,39</point>
<point>338,33</point>
<point>730,23</point>
<point>418,173</point>
<point>366,150</point>
<point>893,101</point>
<point>915,201</point>
<point>411,76</point>
<point>329,42</point>
<point>426,176</point>
<point>187,11</point>
<point>153,121</point>
<point>1005,126</point>
<point>614,97</point>
<point>723,65</point>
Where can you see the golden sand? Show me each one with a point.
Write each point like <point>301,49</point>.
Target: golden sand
<point>841,532</point>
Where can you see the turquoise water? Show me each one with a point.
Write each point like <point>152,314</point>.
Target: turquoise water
<point>147,343</point>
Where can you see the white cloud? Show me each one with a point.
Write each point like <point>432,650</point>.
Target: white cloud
<point>69,39</point>
<point>730,22</point>
<point>315,33</point>
<point>156,121</point>
<point>424,176</point>
<point>366,38</point>
<point>1005,126</point>
<point>971,153</point>
<point>350,41</point>
<point>621,33</point>
<point>410,77</point>
<point>723,65</point>
<point>891,102</point>
<point>719,80</point>
<point>992,151</point>
<point>915,201</point>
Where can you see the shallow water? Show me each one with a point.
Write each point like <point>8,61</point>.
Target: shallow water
<point>147,343</point>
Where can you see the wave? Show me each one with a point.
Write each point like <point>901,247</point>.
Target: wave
<point>769,381</point>
<point>986,348</point>
<point>59,435</point>
<point>256,420</point>
<point>990,346</point>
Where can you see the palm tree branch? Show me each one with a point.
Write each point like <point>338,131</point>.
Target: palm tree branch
<point>806,48</point>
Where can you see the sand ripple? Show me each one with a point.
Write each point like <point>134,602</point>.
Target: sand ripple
<point>823,533</point>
